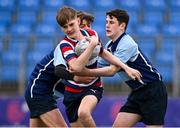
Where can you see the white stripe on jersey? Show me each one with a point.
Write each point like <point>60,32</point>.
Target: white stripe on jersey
<point>66,53</point>
<point>56,83</point>
<point>64,41</point>
<point>150,66</point>
<point>135,57</point>
<point>87,34</point>
<point>39,76</point>
<point>82,85</point>
<point>71,39</point>
<point>96,34</point>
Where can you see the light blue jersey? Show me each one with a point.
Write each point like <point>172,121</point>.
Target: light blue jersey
<point>127,50</point>
<point>58,58</point>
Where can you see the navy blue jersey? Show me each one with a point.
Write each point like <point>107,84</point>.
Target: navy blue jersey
<point>126,49</point>
<point>42,80</point>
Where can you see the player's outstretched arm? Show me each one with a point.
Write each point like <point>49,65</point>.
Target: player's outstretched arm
<point>132,73</point>
<point>112,59</point>
<point>112,69</point>
<point>104,71</point>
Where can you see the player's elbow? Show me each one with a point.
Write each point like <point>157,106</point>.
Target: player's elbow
<point>76,69</point>
<point>112,70</point>
<point>112,73</point>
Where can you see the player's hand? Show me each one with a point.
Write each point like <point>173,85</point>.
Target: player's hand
<point>93,40</point>
<point>83,79</point>
<point>134,74</point>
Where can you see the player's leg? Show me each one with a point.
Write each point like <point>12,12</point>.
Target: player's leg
<point>46,109</point>
<point>53,118</point>
<point>86,107</point>
<point>91,98</point>
<point>84,115</point>
<point>130,112</point>
<point>72,102</point>
<point>154,109</point>
<point>77,123</point>
<point>35,111</point>
<point>154,126</point>
<point>36,122</point>
<point>125,119</point>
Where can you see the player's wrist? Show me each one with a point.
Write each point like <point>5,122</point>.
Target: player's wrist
<point>91,46</point>
<point>126,68</point>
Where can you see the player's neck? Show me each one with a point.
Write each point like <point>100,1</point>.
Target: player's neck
<point>80,36</point>
<point>117,35</point>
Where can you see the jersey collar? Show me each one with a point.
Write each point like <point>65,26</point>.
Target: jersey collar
<point>112,45</point>
<point>84,33</point>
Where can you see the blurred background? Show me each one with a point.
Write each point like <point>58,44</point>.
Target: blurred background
<point>28,31</point>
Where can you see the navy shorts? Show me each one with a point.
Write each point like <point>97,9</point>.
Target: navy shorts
<point>150,102</point>
<point>73,100</point>
<point>40,106</point>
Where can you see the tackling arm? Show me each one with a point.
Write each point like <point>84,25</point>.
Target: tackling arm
<point>113,59</point>
<point>61,72</point>
<point>112,69</point>
<point>104,71</point>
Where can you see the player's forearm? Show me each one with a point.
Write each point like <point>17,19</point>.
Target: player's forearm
<point>105,71</point>
<point>61,72</point>
<point>78,64</point>
<point>113,59</point>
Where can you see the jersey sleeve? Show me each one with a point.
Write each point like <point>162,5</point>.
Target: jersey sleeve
<point>67,51</point>
<point>58,58</point>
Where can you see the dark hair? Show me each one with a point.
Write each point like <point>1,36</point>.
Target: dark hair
<point>121,15</point>
<point>85,16</point>
<point>65,14</point>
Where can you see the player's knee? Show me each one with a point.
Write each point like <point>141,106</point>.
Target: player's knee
<point>84,114</point>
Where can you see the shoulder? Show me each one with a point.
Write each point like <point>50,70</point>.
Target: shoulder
<point>65,42</point>
<point>91,32</point>
<point>127,40</point>
<point>108,43</point>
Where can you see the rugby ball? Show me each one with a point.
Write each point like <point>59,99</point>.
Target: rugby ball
<point>81,47</point>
